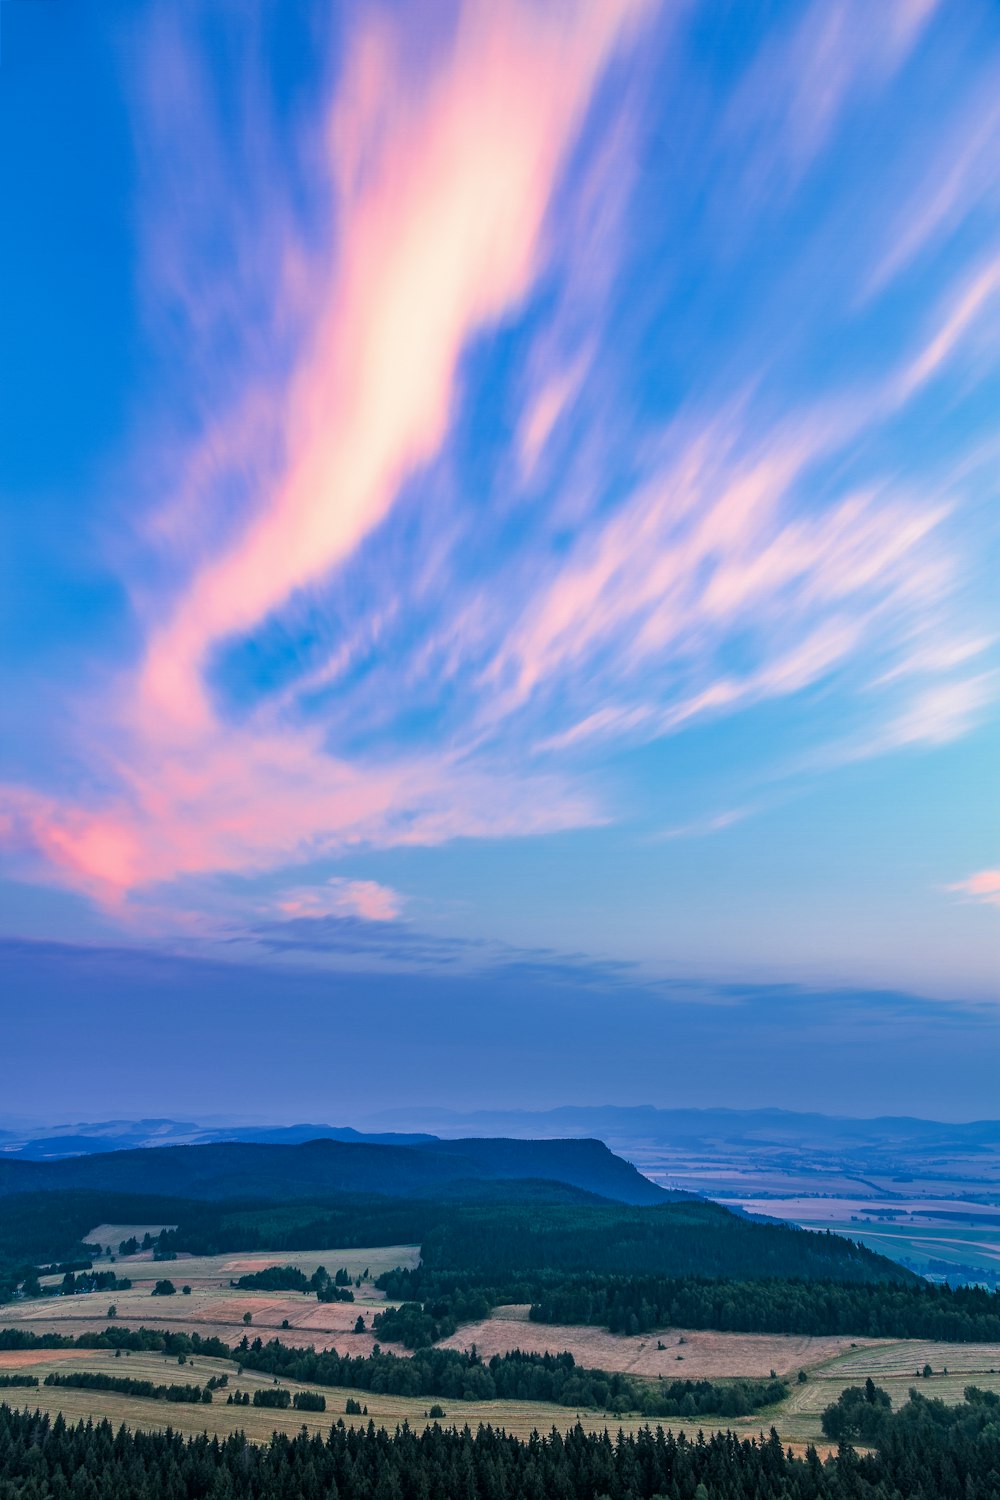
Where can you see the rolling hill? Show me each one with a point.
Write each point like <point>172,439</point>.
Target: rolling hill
<point>313,1169</point>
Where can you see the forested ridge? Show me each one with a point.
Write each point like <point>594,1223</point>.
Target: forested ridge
<point>218,1171</point>
<point>926,1450</point>
<point>633,1305</point>
<point>688,1265</point>
<point>637,1304</point>
<point>689,1238</point>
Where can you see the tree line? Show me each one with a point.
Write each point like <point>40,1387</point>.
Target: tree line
<point>927,1449</point>
<point>436,1301</point>
<point>514,1376</point>
<point>638,1304</point>
<point>95,1380</point>
<point>451,1373</point>
<point>27,1283</point>
<point>336,1288</point>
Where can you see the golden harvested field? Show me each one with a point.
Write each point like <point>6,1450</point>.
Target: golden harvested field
<point>701,1354</point>
<point>192,1268</point>
<point>521,1417</point>
<point>212,1314</point>
<point>908,1356</point>
<point>797,1419</point>
<point>215,1309</point>
<point>518,1417</point>
<point>893,1367</point>
<point>113,1234</point>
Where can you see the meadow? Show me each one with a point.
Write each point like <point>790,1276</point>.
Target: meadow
<point>797,1419</point>
<point>213,1307</point>
<point>686,1353</point>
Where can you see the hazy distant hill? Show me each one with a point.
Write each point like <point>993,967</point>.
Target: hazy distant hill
<point>646,1123</point>
<point>314,1168</point>
<point>55,1142</point>
<point>622,1125</point>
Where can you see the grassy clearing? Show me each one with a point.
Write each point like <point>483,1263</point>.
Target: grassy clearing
<point>113,1234</point>
<point>215,1308</point>
<point>688,1354</point>
<point>893,1367</point>
<point>906,1357</point>
<point>220,1268</point>
<point>519,1417</point>
<point>797,1419</point>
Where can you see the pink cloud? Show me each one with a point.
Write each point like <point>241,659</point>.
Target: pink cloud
<point>442,188</point>
<point>442,178</point>
<point>442,181</point>
<point>967,304</point>
<point>984,886</point>
<point>340,897</point>
<point>550,402</point>
<point>251,803</point>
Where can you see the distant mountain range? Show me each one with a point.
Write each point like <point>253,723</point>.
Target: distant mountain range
<point>619,1125</point>
<point>120,1135</point>
<point>725,1153</point>
<point>397,1167</point>
<point>687,1127</point>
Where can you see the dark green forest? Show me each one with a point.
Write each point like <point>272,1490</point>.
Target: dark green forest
<point>637,1304</point>
<point>685,1263</point>
<point>687,1238</point>
<point>926,1450</point>
<point>634,1305</point>
<point>678,1238</point>
<point>689,1264</point>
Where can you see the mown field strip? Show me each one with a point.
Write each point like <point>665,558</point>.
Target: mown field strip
<point>519,1417</point>
<point>191,1268</point>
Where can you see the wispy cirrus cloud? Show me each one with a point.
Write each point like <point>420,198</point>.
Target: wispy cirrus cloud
<point>440,199</point>
<point>390,592</point>
<point>806,77</point>
<point>983,887</point>
<point>442,192</point>
<point>386,943</point>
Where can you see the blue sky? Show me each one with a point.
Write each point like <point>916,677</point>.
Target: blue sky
<point>502,497</point>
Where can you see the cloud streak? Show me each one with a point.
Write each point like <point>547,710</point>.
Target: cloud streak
<point>983,887</point>
<point>468,502</point>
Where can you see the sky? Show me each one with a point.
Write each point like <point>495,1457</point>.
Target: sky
<point>499,541</point>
